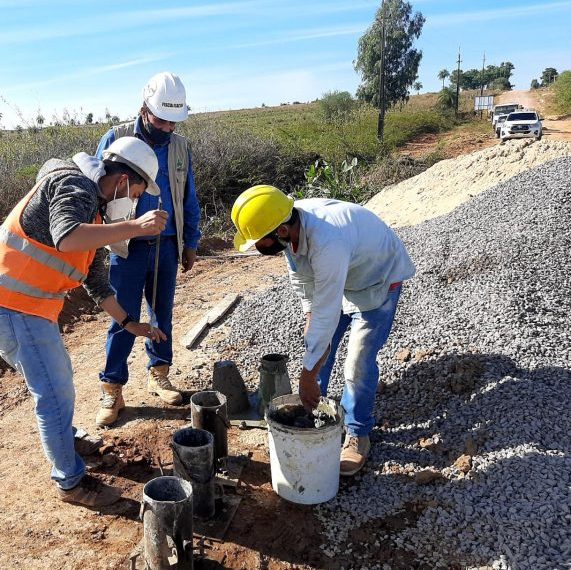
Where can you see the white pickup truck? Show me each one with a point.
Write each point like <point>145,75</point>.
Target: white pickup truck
<point>521,124</point>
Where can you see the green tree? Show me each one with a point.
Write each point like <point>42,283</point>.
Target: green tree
<point>501,84</point>
<point>417,86</point>
<point>89,119</point>
<point>454,77</point>
<point>535,84</point>
<point>442,75</point>
<point>402,27</point>
<point>447,98</point>
<point>471,79</point>
<point>498,75</point>
<point>548,76</point>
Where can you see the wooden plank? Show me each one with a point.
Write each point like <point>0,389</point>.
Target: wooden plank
<point>192,335</point>
<point>215,314</point>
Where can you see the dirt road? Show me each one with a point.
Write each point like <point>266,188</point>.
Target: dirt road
<point>554,128</point>
<point>41,532</point>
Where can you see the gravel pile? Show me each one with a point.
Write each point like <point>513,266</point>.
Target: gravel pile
<point>472,447</point>
<point>451,182</point>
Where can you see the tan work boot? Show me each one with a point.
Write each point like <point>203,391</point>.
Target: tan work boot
<point>90,493</point>
<point>111,405</point>
<point>159,384</point>
<point>354,454</point>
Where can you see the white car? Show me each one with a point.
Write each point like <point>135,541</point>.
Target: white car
<point>521,124</point>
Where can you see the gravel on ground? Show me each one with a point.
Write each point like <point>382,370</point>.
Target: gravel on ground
<point>473,425</point>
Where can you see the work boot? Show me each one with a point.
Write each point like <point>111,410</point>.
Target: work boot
<point>111,405</point>
<point>354,454</point>
<point>90,493</point>
<point>86,444</point>
<point>159,384</point>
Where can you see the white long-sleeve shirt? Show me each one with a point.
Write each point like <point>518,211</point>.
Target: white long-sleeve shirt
<point>346,260</point>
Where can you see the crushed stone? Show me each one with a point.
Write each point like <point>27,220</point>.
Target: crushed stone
<point>472,412</point>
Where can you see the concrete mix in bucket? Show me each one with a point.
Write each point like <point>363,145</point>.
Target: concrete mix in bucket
<point>298,416</point>
<point>473,422</point>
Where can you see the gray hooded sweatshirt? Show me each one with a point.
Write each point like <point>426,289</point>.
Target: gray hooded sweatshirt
<point>67,197</point>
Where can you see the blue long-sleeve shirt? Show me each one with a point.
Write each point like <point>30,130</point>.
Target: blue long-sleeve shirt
<point>191,232</point>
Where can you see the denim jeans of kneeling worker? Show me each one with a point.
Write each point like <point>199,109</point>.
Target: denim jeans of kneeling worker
<point>34,347</point>
<point>369,332</point>
<point>131,277</point>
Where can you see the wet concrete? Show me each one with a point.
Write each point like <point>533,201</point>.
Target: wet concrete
<point>298,416</point>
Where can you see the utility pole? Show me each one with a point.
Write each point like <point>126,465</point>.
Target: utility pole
<point>458,82</point>
<point>382,100</point>
<point>482,84</point>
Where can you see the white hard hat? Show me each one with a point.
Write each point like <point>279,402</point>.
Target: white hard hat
<point>165,97</point>
<point>139,156</point>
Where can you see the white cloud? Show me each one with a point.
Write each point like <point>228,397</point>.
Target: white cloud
<point>306,35</point>
<point>88,72</point>
<point>496,14</point>
<point>109,22</point>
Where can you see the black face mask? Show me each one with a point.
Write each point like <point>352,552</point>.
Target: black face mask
<point>274,249</point>
<point>156,136</point>
<point>278,245</point>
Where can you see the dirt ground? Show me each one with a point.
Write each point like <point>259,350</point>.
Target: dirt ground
<point>41,532</point>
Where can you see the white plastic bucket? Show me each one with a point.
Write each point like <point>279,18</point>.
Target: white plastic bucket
<point>304,461</point>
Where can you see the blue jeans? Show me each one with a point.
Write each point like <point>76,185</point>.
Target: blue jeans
<point>369,332</point>
<point>131,278</point>
<point>34,347</point>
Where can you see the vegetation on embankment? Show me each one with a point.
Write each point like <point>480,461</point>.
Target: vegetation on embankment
<point>292,146</point>
<point>562,92</point>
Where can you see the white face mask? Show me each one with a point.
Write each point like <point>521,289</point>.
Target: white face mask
<point>120,209</point>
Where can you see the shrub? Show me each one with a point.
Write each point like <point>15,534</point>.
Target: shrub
<point>447,98</point>
<point>337,106</point>
<point>337,181</point>
<point>22,153</point>
<point>228,161</point>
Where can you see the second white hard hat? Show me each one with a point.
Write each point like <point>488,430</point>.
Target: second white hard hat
<point>139,156</point>
<point>165,97</point>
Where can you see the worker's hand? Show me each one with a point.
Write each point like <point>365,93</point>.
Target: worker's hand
<point>152,223</point>
<point>146,330</point>
<point>309,391</point>
<point>188,259</point>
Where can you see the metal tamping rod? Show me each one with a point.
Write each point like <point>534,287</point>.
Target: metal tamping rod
<point>154,323</point>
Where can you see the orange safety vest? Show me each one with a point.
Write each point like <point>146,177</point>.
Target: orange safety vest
<point>34,278</point>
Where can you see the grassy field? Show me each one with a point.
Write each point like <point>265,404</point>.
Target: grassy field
<point>234,150</point>
<point>301,128</point>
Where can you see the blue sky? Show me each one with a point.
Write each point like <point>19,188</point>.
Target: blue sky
<point>88,56</point>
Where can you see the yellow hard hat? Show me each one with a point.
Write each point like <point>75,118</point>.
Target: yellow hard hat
<point>257,212</point>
